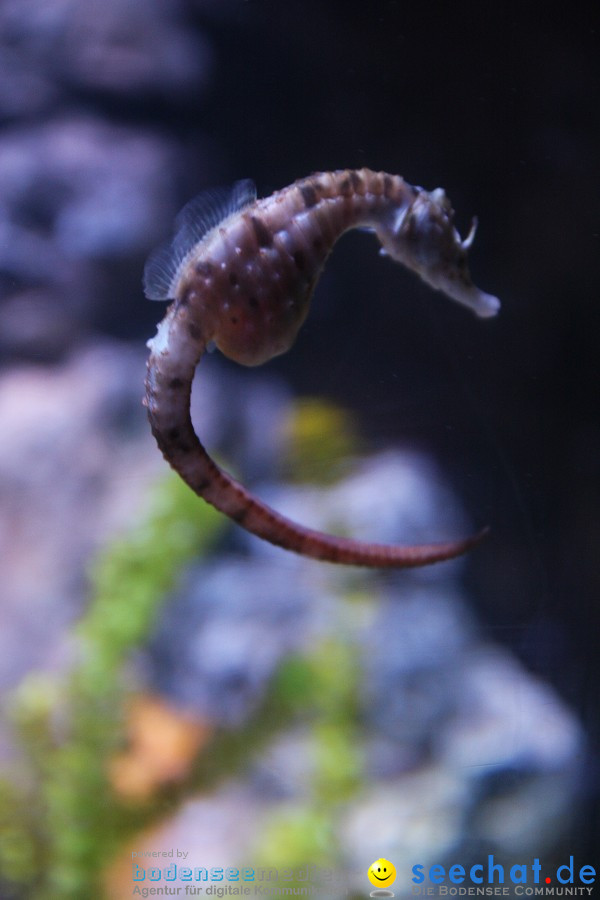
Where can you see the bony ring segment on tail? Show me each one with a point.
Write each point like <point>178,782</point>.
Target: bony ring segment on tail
<point>240,273</point>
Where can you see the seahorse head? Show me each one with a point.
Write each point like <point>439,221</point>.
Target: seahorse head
<point>422,236</point>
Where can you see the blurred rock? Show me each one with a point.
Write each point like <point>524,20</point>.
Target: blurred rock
<point>120,47</point>
<point>81,201</point>
<point>220,642</point>
<point>499,765</point>
<point>24,91</point>
<point>75,461</point>
<point>84,198</point>
<point>412,683</point>
<point>78,188</point>
<point>39,324</point>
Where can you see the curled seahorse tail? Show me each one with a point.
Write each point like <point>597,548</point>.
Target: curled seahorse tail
<point>283,532</point>
<point>168,392</point>
<point>174,355</point>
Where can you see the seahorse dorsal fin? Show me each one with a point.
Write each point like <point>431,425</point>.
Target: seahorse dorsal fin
<point>195,220</point>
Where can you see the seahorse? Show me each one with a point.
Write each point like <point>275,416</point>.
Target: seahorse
<point>241,272</point>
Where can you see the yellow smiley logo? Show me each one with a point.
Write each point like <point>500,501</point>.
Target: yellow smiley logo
<point>382,873</point>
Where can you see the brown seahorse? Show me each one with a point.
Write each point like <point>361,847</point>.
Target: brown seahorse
<point>241,272</point>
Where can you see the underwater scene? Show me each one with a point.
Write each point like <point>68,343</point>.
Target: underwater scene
<point>300,452</point>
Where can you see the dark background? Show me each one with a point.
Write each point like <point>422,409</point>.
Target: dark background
<point>497,103</point>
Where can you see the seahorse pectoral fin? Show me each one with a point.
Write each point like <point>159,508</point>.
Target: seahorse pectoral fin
<point>194,222</point>
<point>158,273</point>
<point>208,209</point>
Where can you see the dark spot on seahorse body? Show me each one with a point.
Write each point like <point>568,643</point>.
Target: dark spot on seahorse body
<point>173,440</point>
<point>233,279</point>
<point>204,268</point>
<point>175,384</point>
<point>263,234</point>
<point>200,485</point>
<point>346,187</point>
<point>234,320</point>
<point>253,302</point>
<point>194,332</point>
<point>356,180</point>
<point>240,515</point>
<point>299,260</point>
<point>309,195</point>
